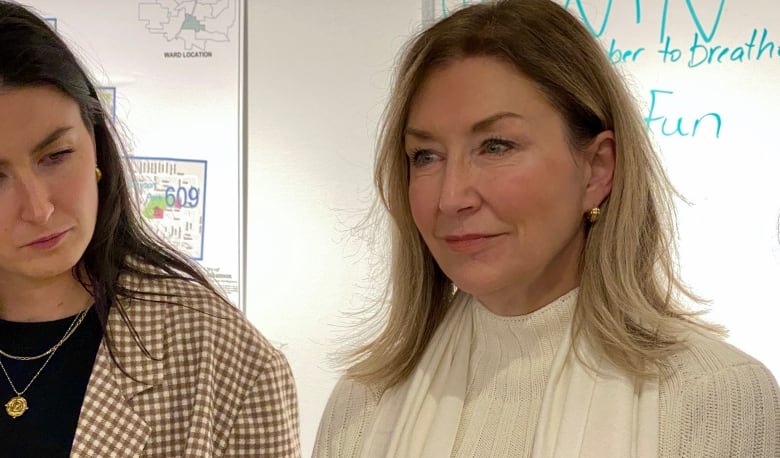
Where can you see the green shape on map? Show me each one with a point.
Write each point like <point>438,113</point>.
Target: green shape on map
<point>192,23</point>
<point>155,207</point>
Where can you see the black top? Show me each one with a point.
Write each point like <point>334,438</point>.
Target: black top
<point>54,399</point>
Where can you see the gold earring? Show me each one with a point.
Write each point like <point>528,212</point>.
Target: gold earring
<point>98,174</point>
<point>593,215</point>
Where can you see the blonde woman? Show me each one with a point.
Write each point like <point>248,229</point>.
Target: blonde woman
<point>533,305</point>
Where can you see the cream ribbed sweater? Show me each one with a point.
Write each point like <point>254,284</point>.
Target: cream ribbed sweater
<point>715,401</point>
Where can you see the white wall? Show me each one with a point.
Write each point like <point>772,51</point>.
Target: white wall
<point>318,75</point>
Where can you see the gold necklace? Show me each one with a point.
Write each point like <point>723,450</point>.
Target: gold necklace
<point>71,329</point>
<point>17,405</point>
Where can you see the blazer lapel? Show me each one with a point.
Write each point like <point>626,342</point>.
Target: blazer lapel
<point>108,424</point>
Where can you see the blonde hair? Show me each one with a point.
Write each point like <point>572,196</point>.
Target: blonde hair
<point>628,305</point>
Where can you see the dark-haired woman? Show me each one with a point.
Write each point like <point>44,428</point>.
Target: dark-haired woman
<point>111,343</point>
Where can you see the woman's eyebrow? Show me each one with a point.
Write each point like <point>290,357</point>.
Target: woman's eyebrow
<point>51,138</point>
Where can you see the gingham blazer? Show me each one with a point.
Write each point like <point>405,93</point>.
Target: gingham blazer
<point>213,385</point>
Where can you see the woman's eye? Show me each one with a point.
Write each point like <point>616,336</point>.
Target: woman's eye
<point>496,146</point>
<point>57,157</point>
<point>420,158</point>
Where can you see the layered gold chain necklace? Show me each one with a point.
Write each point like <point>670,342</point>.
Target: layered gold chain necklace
<point>17,405</point>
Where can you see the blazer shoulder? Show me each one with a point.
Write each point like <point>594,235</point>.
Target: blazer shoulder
<point>220,324</point>
<point>201,321</point>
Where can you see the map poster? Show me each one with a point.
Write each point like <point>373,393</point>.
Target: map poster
<point>170,73</point>
<point>108,95</point>
<point>172,198</point>
<point>194,23</point>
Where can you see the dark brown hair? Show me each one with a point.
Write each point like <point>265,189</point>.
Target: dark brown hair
<point>32,54</point>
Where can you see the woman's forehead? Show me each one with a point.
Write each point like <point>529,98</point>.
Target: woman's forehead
<point>30,114</point>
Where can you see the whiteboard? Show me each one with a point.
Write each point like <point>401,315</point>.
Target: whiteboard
<point>171,74</point>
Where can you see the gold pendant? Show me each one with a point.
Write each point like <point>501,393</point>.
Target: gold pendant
<point>16,406</point>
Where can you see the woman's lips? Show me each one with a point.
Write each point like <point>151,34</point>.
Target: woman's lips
<point>469,242</point>
<point>48,241</point>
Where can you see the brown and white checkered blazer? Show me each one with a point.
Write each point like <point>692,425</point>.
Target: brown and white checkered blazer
<point>213,385</point>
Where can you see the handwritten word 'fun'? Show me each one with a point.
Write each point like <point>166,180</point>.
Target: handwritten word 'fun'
<point>682,127</point>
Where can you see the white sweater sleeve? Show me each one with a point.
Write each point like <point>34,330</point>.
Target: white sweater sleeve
<point>731,408</point>
<point>345,421</point>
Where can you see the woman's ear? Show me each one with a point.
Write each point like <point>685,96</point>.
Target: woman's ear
<point>599,166</point>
